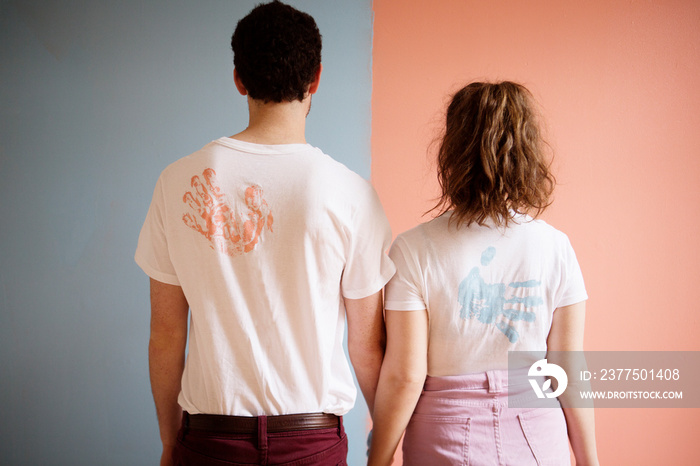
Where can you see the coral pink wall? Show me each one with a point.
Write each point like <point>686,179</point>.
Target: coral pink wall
<point>619,86</point>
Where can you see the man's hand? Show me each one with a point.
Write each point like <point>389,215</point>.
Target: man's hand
<point>166,458</point>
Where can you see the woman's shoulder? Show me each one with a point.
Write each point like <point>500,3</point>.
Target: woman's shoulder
<point>538,226</point>
<point>426,231</point>
<point>542,236</point>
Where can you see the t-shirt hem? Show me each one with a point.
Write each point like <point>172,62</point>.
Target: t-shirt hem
<point>371,289</point>
<point>569,300</point>
<point>403,306</point>
<point>156,274</point>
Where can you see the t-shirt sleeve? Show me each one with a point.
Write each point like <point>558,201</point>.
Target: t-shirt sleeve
<point>367,268</point>
<point>152,253</point>
<point>404,291</point>
<point>573,289</point>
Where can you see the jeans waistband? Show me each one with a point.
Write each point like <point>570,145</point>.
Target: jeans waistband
<point>493,381</point>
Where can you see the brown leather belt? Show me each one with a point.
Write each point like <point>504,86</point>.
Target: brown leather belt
<point>249,425</point>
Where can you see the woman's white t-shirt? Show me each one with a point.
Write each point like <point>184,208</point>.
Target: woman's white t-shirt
<point>487,290</point>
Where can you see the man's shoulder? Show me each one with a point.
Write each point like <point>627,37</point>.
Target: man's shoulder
<point>336,176</point>
<point>184,162</point>
<point>329,163</point>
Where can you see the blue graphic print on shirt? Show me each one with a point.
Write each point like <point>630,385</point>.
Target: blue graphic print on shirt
<point>488,303</point>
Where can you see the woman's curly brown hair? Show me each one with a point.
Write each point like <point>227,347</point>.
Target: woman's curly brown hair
<point>491,160</point>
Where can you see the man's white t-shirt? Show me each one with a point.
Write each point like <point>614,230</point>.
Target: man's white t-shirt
<point>265,241</point>
<point>487,290</point>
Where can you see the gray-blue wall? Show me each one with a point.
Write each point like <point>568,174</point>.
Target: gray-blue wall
<point>97,97</point>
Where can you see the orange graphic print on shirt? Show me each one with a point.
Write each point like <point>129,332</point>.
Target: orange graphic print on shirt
<point>231,229</point>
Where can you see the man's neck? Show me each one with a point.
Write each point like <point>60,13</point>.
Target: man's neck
<point>276,123</point>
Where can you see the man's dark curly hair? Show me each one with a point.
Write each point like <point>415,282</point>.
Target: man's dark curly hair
<point>276,52</point>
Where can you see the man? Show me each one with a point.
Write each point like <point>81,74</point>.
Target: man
<point>270,244</point>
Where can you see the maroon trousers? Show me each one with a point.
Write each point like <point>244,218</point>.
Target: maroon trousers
<point>323,447</point>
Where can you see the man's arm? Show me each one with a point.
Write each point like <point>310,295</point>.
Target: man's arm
<point>166,357</point>
<point>566,335</point>
<point>366,341</point>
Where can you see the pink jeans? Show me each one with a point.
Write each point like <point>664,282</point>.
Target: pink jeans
<point>465,420</point>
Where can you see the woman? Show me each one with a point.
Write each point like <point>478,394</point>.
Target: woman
<point>478,281</point>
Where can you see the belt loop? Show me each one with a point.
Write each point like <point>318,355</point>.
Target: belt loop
<point>262,438</point>
<point>494,382</point>
<point>185,424</point>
